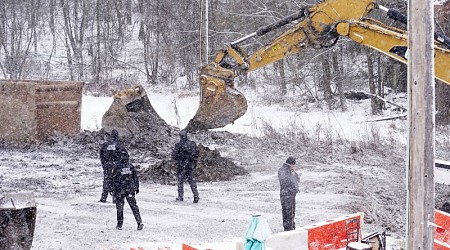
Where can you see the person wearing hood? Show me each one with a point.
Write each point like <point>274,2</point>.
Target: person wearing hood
<point>122,178</point>
<point>112,153</point>
<point>186,154</point>
<point>289,187</point>
<point>125,183</point>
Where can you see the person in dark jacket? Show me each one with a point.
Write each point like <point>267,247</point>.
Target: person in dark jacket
<point>289,187</point>
<point>185,154</point>
<point>125,185</point>
<point>112,153</point>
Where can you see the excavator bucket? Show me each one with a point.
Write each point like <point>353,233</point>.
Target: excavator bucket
<point>131,113</point>
<point>221,104</point>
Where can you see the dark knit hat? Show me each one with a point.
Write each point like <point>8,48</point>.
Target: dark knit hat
<point>290,160</point>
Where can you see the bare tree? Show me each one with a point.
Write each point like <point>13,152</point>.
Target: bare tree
<point>380,83</point>
<point>326,80</point>
<point>150,34</point>
<point>188,42</point>
<point>371,82</point>
<point>282,76</point>
<point>76,15</point>
<point>337,76</point>
<point>108,35</point>
<point>18,24</point>
<point>52,5</point>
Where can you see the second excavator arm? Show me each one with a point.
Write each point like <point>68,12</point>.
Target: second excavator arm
<point>317,26</point>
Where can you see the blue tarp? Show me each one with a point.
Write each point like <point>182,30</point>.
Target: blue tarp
<point>257,233</point>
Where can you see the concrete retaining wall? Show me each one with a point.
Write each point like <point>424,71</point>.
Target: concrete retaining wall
<point>34,110</point>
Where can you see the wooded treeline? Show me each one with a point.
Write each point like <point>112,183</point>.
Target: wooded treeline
<point>111,43</point>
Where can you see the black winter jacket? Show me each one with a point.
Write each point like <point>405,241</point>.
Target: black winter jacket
<point>113,153</point>
<point>289,181</point>
<point>185,152</point>
<point>124,180</point>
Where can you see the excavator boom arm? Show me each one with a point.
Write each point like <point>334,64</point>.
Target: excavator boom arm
<point>317,26</point>
<point>314,29</point>
<point>392,42</point>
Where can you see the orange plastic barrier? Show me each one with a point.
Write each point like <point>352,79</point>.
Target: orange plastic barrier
<point>442,230</point>
<point>187,247</point>
<point>332,234</point>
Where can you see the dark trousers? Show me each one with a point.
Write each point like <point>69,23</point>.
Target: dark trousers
<point>288,211</point>
<point>188,172</point>
<point>120,202</point>
<point>106,184</point>
<point>105,189</point>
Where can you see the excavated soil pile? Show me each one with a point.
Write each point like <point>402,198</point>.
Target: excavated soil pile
<point>210,167</point>
<point>151,154</point>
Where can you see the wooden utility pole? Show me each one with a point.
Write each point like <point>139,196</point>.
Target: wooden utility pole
<point>204,32</point>
<point>421,125</point>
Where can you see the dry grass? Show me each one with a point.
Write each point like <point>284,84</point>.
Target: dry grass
<point>325,137</point>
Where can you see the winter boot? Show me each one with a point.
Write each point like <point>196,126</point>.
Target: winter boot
<point>140,226</point>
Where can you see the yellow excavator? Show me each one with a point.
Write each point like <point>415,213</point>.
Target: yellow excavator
<point>315,26</point>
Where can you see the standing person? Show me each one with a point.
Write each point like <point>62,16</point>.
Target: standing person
<point>289,187</point>
<point>122,179</point>
<point>185,154</point>
<point>112,153</point>
<point>126,186</point>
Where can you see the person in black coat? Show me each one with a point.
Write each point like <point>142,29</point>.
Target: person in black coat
<point>125,185</point>
<point>289,187</point>
<point>112,153</point>
<point>185,154</point>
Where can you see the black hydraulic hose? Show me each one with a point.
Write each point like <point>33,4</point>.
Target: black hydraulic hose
<point>396,15</point>
<point>296,16</point>
<point>263,30</point>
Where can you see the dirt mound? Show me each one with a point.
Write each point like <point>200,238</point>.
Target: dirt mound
<point>211,166</point>
<point>151,153</point>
